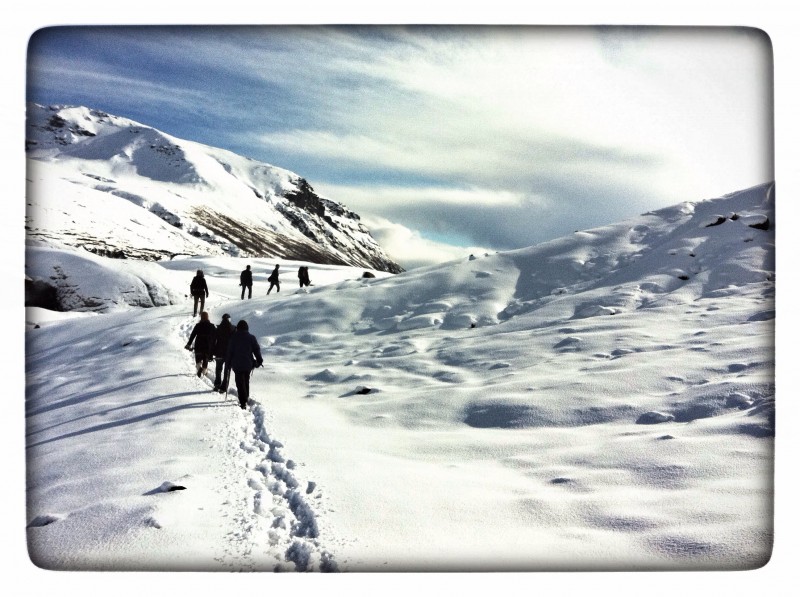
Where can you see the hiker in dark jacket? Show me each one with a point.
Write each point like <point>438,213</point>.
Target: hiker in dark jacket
<point>222,374</point>
<point>274,280</point>
<point>246,282</point>
<point>302,275</point>
<point>199,290</point>
<point>203,335</point>
<point>244,354</point>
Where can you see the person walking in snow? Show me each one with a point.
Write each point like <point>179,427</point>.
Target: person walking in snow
<point>203,335</point>
<point>222,374</point>
<point>302,275</point>
<point>244,355</point>
<point>246,282</point>
<point>199,290</point>
<point>274,280</point>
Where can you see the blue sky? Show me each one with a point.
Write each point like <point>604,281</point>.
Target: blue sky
<point>446,139</point>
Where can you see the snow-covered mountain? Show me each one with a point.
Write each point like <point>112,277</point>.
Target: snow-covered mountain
<point>119,188</point>
<point>601,401</point>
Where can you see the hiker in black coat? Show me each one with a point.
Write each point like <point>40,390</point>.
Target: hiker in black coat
<point>244,354</point>
<point>274,280</point>
<point>302,275</point>
<point>203,335</point>
<point>246,282</point>
<point>199,290</point>
<point>223,334</point>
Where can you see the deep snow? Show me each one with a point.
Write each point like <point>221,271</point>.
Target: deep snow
<point>601,401</point>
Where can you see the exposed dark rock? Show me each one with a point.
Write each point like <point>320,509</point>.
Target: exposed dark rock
<point>367,275</point>
<point>761,225</point>
<point>39,293</point>
<point>720,220</point>
<point>306,199</point>
<point>654,418</point>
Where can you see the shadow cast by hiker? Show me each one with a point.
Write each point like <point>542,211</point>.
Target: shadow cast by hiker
<point>136,419</point>
<point>84,396</point>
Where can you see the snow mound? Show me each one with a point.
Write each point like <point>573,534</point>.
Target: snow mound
<point>81,281</point>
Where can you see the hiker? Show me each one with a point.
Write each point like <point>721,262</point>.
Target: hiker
<point>244,354</point>
<point>199,290</point>
<point>302,274</point>
<point>222,374</point>
<point>274,280</point>
<point>246,282</point>
<point>203,336</point>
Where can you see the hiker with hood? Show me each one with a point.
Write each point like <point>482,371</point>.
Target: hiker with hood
<point>199,290</point>
<point>302,274</point>
<point>222,375</point>
<point>274,280</point>
<point>246,282</point>
<point>203,335</point>
<point>244,355</point>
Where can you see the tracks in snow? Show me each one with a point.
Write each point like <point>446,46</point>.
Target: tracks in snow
<point>274,513</point>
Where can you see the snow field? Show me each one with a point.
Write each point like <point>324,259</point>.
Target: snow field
<point>572,406</point>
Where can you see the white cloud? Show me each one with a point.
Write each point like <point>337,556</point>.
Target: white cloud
<point>672,112</point>
<point>408,248</point>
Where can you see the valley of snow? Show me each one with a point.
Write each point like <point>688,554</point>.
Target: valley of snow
<point>604,401</point>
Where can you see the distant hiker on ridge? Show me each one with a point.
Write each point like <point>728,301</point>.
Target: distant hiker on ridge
<point>222,338</point>
<point>274,280</point>
<point>302,274</point>
<point>246,282</point>
<point>203,336</point>
<point>244,354</point>
<point>199,290</point>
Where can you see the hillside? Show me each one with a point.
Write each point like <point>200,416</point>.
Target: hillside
<point>122,189</point>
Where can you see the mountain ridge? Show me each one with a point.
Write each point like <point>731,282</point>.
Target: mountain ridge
<point>216,202</point>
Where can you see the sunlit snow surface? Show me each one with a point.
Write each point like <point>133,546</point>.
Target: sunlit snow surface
<point>601,401</point>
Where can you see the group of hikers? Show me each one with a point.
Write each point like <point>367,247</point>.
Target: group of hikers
<point>234,349</point>
<point>199,288</point>
<point>246,279</point>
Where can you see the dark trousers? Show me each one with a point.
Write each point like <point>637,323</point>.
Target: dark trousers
<point>242,380</point>
<point>275,285</point>
<point>201,360</point>
<point>249,288</point>
<point>202,299</point>
<point>222,375</point>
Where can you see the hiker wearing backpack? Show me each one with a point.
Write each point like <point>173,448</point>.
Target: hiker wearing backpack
<point>244,355</point>
<point>203,336</point>
<point>302,275</point>
<point>246,282</point>
<point>199,290</point>
<point>222,338</point>
<point>274,280</point>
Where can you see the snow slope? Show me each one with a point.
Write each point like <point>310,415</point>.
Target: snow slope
<point>114,186</point>
<point>602,401</point>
